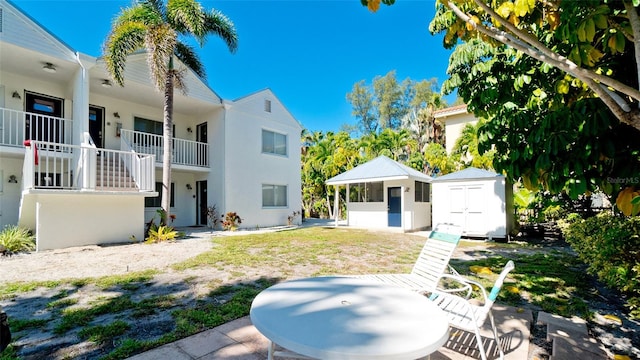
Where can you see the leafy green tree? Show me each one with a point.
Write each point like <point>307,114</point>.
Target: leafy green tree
<point>364,111</point>
<point>540,72</point>
<point>158,28</point>
<point>437,162</point>
<point>382,104</point>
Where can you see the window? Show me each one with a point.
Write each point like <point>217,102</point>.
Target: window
<point>274,195</point>
<point>274,143</point>
<point>422,191</point>
<point>366,192</point>
<point>267,105</point>
<point>157,201</point>
<point>356,192</point>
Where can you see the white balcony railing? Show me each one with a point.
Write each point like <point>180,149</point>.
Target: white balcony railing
<point>185,152</point>
<point>49,165</point>
<point>18,126</point>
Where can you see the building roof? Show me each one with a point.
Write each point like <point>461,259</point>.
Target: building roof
<point>470,173</point>
<point>453,110</point>
<point>379,169</point>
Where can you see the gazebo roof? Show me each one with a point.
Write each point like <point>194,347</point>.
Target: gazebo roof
<point>470,173</point>
<point>379,169</point>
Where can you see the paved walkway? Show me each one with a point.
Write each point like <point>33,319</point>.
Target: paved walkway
<point>240,340</point>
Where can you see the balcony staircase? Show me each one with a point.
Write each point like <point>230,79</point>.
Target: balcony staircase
<point>113,175</point>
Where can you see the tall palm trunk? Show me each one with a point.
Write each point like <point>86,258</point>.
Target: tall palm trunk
<point>167,145</point>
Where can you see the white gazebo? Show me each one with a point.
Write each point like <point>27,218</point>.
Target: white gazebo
<point>384,194</point>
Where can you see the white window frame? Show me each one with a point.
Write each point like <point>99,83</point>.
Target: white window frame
<point>275,133</point>
<point>274,186</point>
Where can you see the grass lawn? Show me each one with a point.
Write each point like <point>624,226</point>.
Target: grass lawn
<point>127,314</point>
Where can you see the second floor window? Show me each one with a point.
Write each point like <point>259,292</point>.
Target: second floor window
<point>274,143</point>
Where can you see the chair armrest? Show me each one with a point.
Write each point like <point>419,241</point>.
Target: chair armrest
<point>466,284</point>
<point>462,285</point>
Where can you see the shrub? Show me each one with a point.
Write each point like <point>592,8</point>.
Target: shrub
<point>231,221</point>
<point>610,246</point>
<point>161,233</point>
<point>16,239</point>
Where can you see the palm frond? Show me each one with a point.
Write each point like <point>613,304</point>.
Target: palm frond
<point>125,39</point>
<point>188,56</point>
<point>188,18</point>
<point>160,42</point>
<point>217,23</point>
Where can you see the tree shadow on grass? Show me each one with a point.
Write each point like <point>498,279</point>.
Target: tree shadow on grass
<point>83,320</point>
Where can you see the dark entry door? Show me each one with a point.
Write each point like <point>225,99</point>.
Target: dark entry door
<point>201,188</point>
<point>96,125</point>
<point>201,136</point>
<point>394,206</point>
<point>45,122</point>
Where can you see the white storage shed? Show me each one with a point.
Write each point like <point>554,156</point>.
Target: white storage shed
<point>479,201</point>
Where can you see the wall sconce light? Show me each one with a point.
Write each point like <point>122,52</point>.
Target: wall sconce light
<point>116,115</point>
<point>13,179</point>
<point>118,129</point>
<point>16,95</point>
<point>49,67</point>
<point>106,83</point>
<point>407,189</point>
<point>189,187</point>
<point>189,130</point>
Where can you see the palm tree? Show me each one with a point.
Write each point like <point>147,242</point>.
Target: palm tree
<point>158,29</point>
<point>466,150</point>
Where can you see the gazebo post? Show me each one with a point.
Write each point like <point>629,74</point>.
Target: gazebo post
<point>336,200</point>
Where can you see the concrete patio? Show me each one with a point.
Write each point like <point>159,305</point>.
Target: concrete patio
<point>239,340</point>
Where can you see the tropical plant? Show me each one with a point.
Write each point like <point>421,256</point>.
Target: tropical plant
<point>212,217</point>
<point>159,28</point>
<point>16,239</point>
<point>466,148</point>
<point>161,233</point>
<point>231,221</point>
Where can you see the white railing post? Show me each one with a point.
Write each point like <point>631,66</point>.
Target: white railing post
<point>27,166</point>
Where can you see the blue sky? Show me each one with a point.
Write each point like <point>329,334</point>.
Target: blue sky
<point>309,52</point>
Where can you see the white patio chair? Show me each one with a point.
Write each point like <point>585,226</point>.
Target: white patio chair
<point>431,265</point>
<point>466,316</point>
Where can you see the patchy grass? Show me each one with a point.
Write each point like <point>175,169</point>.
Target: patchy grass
<point>104,333</point>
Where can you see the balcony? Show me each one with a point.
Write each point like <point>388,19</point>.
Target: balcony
<point>18,126</point>
<point>54,166</point>
<point>185,152</point>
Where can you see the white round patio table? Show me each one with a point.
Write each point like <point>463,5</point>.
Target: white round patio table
<point>348,318</point>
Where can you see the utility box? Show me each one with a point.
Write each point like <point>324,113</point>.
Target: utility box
<point>477,200</point>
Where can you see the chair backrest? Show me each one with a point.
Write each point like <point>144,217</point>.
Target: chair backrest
<point>436,252</point>
<point>493,295</point>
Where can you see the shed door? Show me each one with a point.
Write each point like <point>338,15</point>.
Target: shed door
<point>394,206</point>
<point>476,216</point>
<point>467,207</point>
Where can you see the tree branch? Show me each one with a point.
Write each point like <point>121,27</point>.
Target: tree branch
<point>586,76</point>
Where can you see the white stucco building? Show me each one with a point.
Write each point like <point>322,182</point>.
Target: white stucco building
<point>384,194</point>
<point>454,119</point>
<point>91,169</point>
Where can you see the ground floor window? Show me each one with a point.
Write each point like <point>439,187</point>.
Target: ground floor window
<point>422,191</point>
<point>157,201</point>
<point>366,192</point>
<point>274,195</point>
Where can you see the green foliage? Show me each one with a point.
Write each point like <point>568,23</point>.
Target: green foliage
<point>17,239</point>
<point>610,246</point>
<point>161,233</point>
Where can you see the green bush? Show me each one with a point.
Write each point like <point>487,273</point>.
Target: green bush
<point>161,233</point>
<point>16,239</point>
<point>610,246</point>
